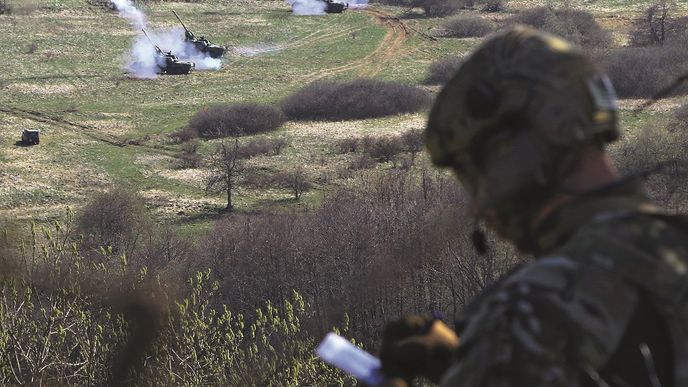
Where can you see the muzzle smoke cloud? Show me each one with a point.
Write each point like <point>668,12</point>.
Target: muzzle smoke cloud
<point>128,11</point>
<point>307,7</point>
<point>356,4</point>
<point>143,61</point>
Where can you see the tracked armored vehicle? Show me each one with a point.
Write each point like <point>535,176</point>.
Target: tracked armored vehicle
<point>30,137</point>
<point>168,63</point>
<point>172,65</point>
<point>335,7</point>
<point>202,44</point>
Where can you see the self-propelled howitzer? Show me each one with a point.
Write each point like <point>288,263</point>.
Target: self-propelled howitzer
<point>168,63</point>
<point>202,44</point>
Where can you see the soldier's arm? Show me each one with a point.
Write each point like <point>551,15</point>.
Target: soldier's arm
<point>551,323</point>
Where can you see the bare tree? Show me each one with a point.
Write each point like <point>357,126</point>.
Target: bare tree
<point>413,141</point>
<point>658,18</point>
<point>225,165</point>
<point>296,180</point>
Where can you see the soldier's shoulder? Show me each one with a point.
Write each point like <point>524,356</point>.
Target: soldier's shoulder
<point>632,232</point>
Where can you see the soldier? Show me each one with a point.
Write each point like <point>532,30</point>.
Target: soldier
<point>523,124</point>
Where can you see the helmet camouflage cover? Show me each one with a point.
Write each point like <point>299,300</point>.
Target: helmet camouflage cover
<point>517,113</point>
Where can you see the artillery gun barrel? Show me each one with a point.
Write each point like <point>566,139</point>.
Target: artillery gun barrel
<point>180,20</point>
<point>157,49</point>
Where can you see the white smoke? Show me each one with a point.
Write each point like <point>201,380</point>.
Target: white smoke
<point>357,4</point>
<point>142,59</point>
<point>128,11</point>
<point>255,50</point>
<point>307,7</point>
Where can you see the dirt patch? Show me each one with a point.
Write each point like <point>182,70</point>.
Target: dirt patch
<point>189,176</point>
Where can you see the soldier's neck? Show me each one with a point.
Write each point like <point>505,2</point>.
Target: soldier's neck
<point>595,170</point>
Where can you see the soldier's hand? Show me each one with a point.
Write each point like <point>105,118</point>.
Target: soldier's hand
<point>417,346</point>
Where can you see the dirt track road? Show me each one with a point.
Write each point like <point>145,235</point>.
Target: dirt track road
<point>373,63</point>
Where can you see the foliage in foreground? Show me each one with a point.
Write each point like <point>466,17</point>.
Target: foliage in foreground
<point>67,320</point>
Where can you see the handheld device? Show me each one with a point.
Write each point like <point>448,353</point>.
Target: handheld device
<point>341,353</point>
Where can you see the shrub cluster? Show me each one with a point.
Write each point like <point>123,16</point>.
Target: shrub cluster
<point>188,158</point>
<point>440,8</point>
<point>659,143</point>
<point>468,26</point>
<point>116,219</point>
<point>353,100</point>
<point>5,7</point>
<point>443,70</point>
<point>681,118</point>
<point>641,72</point>
<point>68,321</point>
<point>576,26</point>
<point>381,149</point>
<point>233,120</point>
<point>647,31</point>
<point>431,8</point>
<point>262,146</point>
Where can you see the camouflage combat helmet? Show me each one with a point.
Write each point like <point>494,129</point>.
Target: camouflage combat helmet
<point>516,114</point>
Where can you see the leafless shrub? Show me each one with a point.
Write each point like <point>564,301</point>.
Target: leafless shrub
<point>659,25</point>
<point>5,7</point>
<point>443,70</point>
<point>263,146</point>
<point>413,141</point>
<point>225,164</point>
<point>31,48</point>
<point>188,158</point>
<point>347,145</point>
<point>296,180</point>
<point>468,26</point>
<point>233,120</point>
<point>352,100</point>
<point>644,71</point>
<point>658,144</point>
<point>375,239</point>
<point>440,8</point>
<point>431,8</point>
<point>19,7</point>
<point>574,25</point>
<point>115,219</point>
<point>492,5</point>
<point>681,118</point>
<point>362,161</point>
<point>383,149</point>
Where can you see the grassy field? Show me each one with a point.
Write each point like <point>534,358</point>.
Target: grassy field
<point>63,75</point>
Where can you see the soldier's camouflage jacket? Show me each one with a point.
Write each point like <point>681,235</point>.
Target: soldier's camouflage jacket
<point>604,304</point>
